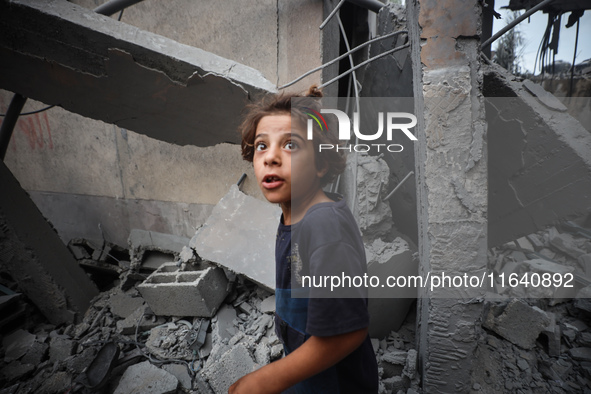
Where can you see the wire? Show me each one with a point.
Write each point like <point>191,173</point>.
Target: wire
<point>342,56</point>
<point>363,64</point>
<point>34,112</point>
<point>329,17</point>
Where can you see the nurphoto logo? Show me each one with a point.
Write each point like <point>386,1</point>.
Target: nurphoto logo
<point>394,122</point>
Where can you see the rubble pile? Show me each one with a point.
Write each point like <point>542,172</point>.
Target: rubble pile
<point>536,338</point>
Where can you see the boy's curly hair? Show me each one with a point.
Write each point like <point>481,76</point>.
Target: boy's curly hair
<point>280,104</point>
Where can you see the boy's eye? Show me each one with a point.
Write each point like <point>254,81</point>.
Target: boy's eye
<point>290,145</point>
<point>259,146</point>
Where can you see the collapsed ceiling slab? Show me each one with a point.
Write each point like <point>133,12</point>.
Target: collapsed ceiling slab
<point>60,53</point>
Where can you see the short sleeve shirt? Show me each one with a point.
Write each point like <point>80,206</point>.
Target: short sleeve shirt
<point>325,242</point>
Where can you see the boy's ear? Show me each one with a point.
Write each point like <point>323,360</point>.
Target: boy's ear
<point>322,169</point>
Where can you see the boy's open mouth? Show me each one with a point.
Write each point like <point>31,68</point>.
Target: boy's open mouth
<point>272,181</point>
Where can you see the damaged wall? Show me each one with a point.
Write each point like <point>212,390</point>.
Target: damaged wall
<point>451,176</point>
<point>84,173</point>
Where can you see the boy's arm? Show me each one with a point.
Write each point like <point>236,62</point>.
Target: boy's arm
<point>313,356</point>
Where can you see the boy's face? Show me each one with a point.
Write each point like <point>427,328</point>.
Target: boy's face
<point>284,160</point>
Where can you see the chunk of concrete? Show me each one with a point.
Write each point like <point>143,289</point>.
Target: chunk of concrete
<point>36,353</point>
<point>60,348</point>
<point>565,243</point>
<point>16,371</point>
<point>172,292</point>
<point>240,235</point>
<point>552,332</point>
<point>583,299</point>
<point>268,305</point>
<point>128,325</point>
<point>223,324</point>
<point>233,365</point>
<point>123,305</point>
<point>518,322</point>
<point>145,378</point>
<point>17,344</point>
<point>388,306</point>
<point>581,353</point>
<point>160,248</point>
<point>180,372</point>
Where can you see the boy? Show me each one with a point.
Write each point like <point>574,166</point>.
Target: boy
<point>325,339</point>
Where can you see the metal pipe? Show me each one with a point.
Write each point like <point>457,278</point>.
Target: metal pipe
<point>111,7</point>
<point>14,110</point>
<point>398,186</point>
<point>342,56</point>
<point>349,71</point>
<point>372,5</point>
<point>332,13</point>
<point>515,23</point>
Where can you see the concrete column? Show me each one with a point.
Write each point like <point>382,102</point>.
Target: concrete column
<point>451,176</point>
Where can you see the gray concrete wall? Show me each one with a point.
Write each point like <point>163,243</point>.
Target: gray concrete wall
<point>82,173</point>
<point>451,177</point>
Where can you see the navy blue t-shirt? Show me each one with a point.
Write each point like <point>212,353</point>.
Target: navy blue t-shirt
<point>325,242</point>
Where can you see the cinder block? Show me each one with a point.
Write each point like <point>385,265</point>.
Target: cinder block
<point>171,292</point>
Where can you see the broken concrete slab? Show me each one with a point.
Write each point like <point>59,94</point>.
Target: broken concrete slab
<point>145,378</point>
<point>17,344</point>
<point>36,258</point>
<point>61,348</point>
<point>180,372</point>
<point>172,292</point>
<point>388,306</point>
<point>583,299</point>
<point>240,235</point>
<point>517,322</point>
<point>123,305</point>
<point>204,93</point>
<point>581,353</point>
<point>268,305</point>
<point>233,365</point>
<point>565,243</point>
<point>128,325</point>
<point>150,249</point>
<point>546,160</point>
<point>16,371</point>
<point>223,324</point>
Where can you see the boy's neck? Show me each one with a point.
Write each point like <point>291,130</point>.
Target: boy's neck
<point>293,213</point>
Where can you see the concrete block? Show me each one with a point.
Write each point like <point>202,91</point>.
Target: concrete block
<point>233,365</point>
<point>518,322</point>
<point>17,344</point>
<point>171,292</point>
<point>240,235</point>
<point>145,378</point>
<point>36,353</point>
<point>388,306</point>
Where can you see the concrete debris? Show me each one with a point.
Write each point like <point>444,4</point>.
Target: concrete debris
<point>143,317</point>
<point>373,215</point>
<point>583,299</point>
<point>149,249</point>
<point>123,305</point>
<point>60,348</point>
<point>17,344</point>
<point>172,292</point>
<point>517,322</point>
<point>268,305</point>
<point>388,306</point>
<point>145,378</point>
<point>233,364</point>
<point>180,372</point>
<point>565,243</point>
<point>236,236</point>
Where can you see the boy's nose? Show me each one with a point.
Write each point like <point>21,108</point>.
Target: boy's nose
<point>273,156</point>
